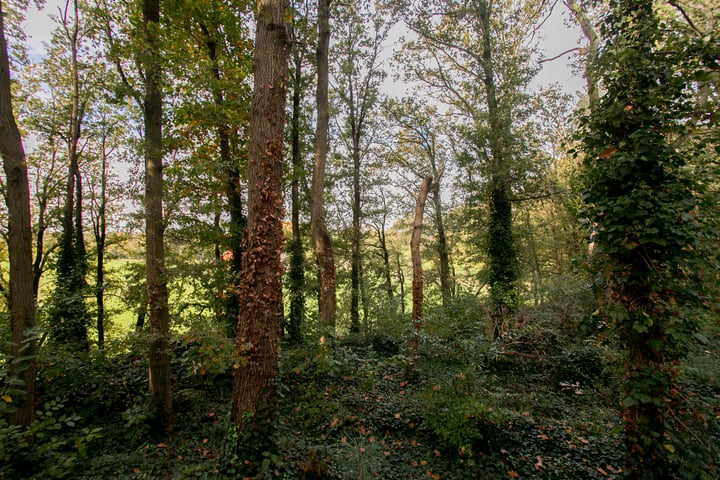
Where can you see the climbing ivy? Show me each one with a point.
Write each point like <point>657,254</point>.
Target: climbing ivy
<point>641,200</point>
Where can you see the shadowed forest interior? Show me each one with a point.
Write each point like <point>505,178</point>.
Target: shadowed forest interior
<point>303,239</point>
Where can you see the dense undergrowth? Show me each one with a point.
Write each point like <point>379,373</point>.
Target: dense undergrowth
<point>540,402</point>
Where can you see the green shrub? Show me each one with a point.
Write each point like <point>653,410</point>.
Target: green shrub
<point>51,447</point>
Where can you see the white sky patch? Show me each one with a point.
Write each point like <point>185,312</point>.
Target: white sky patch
<point>39,25</point>
<point>560,34</point>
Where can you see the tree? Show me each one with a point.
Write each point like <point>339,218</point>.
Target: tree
<point>474,56</point>
<point>261,308</point>
<point>300,82</point>
<point>213,134</point>
<point>647,237</point>
<point>159,349</point>
<point>327,302</point>
<point>421,144</point>
<point>357,81</point>
<point>69,317</point>
<point>417,278</point>
<point>17,199</point>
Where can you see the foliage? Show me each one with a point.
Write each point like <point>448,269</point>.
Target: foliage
<point>52,446</point>
<point>641,201</point>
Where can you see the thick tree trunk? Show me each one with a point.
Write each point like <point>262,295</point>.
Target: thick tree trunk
<point>417,278</point>
<point>297,254</point>
<point>501,247</point>
<point>159,349</point>
<point>17,198</point>
<point>261,308</point>
<point>327,302</point>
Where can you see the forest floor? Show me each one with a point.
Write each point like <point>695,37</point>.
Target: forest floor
<point>533,404</point>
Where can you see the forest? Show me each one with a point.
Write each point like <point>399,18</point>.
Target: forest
<point>354,239</point>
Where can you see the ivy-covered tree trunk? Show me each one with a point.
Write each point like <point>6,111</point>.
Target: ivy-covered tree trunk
<point>296,275</point>
<point>502,255</point>
<point>261,308</point>
<point>69,316</point>
<point>100,231</point>
<point>356,237</point>
<point>159,349</point>
<point>19,236</point>
<point>642,205</point>
<point>233,191</point>
<point>446,282</point>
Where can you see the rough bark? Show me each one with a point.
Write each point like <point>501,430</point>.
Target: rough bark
<point>159,348</point>
<point>17,199</point>
<point>327,301</point>
<point>261,308</point>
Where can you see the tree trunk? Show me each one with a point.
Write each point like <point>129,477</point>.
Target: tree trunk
<point>297,255</point>
<point>159,349</point>
<point>17,198</point>
<point>401,282</point>
<point>592,51</point>
<point>355,260</point>
<point>501,248</point>
<point>261,308</point>
<point>446,287</point>
<point>100,235</point>
<point>233,192</point>
<point>327,302</point>
<point>417,278</point>
<point>69,318</point>
<point>382,241</point>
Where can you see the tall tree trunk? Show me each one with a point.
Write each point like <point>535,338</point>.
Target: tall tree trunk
<point>417,278</point>
<point>356,237</point>
<point>323,246</point>
<point>297,255</point>
<point>401,282</point>
<point>100,235</point>
<point>69,319</point>
<point>382,241</point>
<point>159,349</point>
<point>17,199</point>
<point>233,191</point>
<point>501,247</point>
<point>42,226</point>
<point>261,308</point>
<point>446,287</point>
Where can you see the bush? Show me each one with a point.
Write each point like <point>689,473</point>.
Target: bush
<point>51,447</point>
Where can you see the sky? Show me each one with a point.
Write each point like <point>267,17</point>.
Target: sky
<point>557,35</point>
